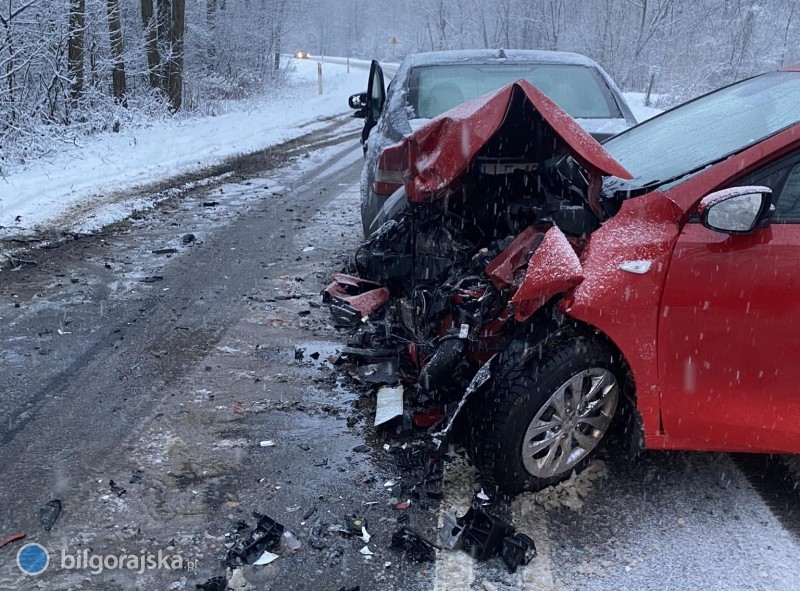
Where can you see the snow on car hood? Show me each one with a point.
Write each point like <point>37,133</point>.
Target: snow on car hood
<point>440,151</point>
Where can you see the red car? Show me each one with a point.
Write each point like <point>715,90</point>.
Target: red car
<point>655,277</point>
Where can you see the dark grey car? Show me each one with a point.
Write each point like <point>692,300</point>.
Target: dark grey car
<point>427,84</point>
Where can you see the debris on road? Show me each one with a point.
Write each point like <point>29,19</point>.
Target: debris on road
<point>188,238</point>
<point>517,549</point>
<point>266,443</point>
<point>13,538</point>
<point>49,513</point>
<point>417,548</point>
<point>389,404</point>
<point>484,535</point>
<point>116,489</point>
<point>290,543</point>
<point>165,251</point>
<point>246,546</point>
<point>213,584</point>
<point>266,558</point>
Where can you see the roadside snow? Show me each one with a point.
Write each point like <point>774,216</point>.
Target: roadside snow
<point>636,103</point>
<point>35,195</point>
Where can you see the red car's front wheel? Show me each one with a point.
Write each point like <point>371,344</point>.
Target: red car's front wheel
<point>547,414</point>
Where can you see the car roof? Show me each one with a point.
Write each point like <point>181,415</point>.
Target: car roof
<point>484,56</point>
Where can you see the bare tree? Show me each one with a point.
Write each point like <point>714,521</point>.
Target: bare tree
<point>119,84</point>
<point>150,25</point>
<point>177,26</point>
<point>75,47</point>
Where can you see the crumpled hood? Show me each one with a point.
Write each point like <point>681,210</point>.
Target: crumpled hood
<point>441,151</point>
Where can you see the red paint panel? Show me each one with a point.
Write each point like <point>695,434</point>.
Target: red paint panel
<point>554,268</point>
<point>361,294</point>
<point>624,305</point>
<point>442,150</point>
<point>502,271</point>
<point>729,340</point>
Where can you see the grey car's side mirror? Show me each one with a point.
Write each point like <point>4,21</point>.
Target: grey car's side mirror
<point>359,103</point>
<point>738,210</point>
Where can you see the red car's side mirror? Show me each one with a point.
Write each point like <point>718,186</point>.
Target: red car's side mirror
<point>738,210</point>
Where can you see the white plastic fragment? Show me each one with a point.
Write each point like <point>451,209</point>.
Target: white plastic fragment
<point>265,558</point>
<point>389,483</point>
<point>366,551</point>
<point>267,443</point>
<point>463,332</point>
<point>389,404</point>
<point>364,535</point>
<point>482,496</point>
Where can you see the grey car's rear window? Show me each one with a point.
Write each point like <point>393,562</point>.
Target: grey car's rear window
<point>579,90</point>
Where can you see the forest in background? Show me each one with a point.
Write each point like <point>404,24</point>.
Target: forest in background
<point>71,68</point>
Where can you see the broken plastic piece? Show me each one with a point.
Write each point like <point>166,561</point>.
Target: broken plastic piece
<point>517,549</point>
<point>366,551</point>
<point>265,536</point>
<point>49,513</point>
<point>266,558</point>
<point>290,543</point>
<point>267,443</point>
<point>379,373</point>
<point>213,584</point>
<point>116,489</point>
<point>451,531</point>
<point>483,532</point>
<point>415,546</point>
<point>389,404</point>
<point>365,535</point>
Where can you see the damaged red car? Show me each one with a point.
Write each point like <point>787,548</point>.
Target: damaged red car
<point>533,286</point>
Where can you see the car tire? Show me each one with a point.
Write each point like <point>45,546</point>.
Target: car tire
<point>517,439</point>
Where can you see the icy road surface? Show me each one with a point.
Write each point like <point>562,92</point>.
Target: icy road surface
<point>164,371</point>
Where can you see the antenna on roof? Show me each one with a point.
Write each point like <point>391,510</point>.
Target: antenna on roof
<point>501,53</point>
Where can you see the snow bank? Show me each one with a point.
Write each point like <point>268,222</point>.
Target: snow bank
<point>38,193</point>
<point>635,101</point>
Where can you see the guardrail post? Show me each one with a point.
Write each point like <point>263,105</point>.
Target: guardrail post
<point>319,76</point>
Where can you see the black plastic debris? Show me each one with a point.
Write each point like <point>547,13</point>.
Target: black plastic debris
<point>116,489</point>
<point>152,279</point>
<point>210,203</point>
<point>379,373</point>
<point>213,584</point>
<point>371,355</point>
<point>517,549</point>
<point>136,476</point>
<point>49,513</point>
<point>188,238</point>
<point>165,251</point>
<point>484,533</point>
<point>417,548</point>
<point>353,526</point>
<point>247,548</point>
<point>356,588</point>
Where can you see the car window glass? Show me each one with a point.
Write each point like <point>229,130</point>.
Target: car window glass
<point>579,90</point>
<point>705,130</point>
<point>787,209</point>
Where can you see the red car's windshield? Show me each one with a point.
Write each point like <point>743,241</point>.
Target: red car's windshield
<point>709,128</point>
